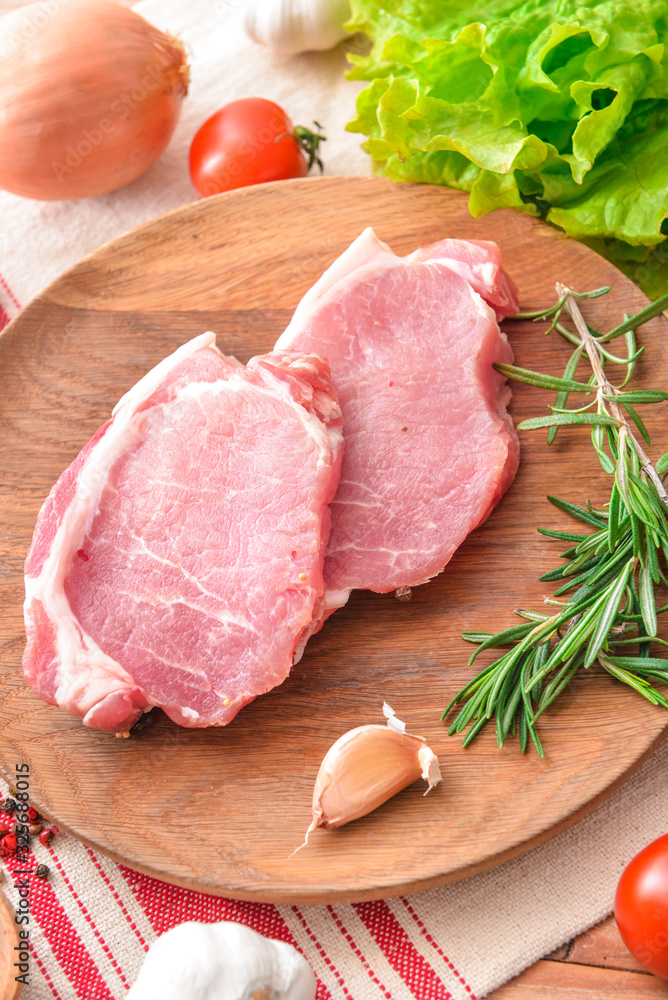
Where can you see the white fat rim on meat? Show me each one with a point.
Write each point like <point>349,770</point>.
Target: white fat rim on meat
<point>86,674</point>
<point>146,385</point>
<point>366,251</point>
<point>487,270</point>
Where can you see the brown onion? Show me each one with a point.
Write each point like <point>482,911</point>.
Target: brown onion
<point>90,94</point>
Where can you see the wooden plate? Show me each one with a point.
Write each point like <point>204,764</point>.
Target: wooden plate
<point>221,810</point>
<point>10,989</point>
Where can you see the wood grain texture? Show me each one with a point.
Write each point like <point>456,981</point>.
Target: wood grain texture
<point>602,946</point>
<point>10,989</point>
<point>600,967</point>
<point>561,981</point>
<point>238,264</point>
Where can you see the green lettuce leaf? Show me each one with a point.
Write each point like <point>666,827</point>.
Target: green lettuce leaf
<point>554,107</point>
<point>625,195</point>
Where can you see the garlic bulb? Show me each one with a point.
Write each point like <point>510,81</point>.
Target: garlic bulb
<point>296,25</point>
<point>224,961</point>
<point>367,766</point>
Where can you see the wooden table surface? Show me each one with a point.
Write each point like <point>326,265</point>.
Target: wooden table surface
<point>593,966</point>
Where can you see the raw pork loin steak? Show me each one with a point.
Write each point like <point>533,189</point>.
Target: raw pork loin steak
<point>430,448</point>
<point>178,561</point>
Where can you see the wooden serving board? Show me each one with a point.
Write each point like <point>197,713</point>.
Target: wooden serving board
<point>10,947</point>
<point>221,810</point>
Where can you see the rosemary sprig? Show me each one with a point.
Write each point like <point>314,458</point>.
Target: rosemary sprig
<point>611,568</point>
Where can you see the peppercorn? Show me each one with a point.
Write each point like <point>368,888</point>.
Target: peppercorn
<point>42,871</point>
<point>33,815</point>
<point>403,593</point>
<point>34,829</point>
<point>8,843</point>
<point>146,720</point>
<point>8,805</point>
<point>45,836</point>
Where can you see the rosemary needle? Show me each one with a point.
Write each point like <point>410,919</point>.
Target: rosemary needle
<point>612,567</point>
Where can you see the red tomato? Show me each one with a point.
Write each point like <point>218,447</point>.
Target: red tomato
<point>641,907</point>
<point>239,145</point>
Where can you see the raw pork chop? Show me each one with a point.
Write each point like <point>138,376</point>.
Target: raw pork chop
<point>178,561</point>
<point>430,448</point>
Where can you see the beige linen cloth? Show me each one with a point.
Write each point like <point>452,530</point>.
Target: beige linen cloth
<point>493,925</point>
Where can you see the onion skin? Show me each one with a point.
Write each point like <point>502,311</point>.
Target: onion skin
<point>90,94</point>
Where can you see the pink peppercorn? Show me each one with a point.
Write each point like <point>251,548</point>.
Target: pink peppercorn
<point>8,843</point>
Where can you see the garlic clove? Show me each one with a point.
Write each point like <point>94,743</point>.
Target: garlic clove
<point>366,767</point>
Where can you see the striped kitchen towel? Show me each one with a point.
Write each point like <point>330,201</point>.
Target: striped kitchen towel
<point>91,921</point>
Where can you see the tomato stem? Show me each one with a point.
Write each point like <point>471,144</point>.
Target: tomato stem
<point>308,141</point>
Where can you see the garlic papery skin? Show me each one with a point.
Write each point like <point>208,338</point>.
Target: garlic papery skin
<point>366,767</point>
<point>293,26</point>
<point>223,961</point>
<point>431,771</point>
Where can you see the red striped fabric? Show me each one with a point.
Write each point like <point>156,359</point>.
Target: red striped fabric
<point>395,944</point>
<point>324,956</point>
<point>168,905</point>
<point>9,304</point>
<point>124,910</point>
<point>12,298</point>
<point>358,952</point>
<point>88,916</point>
<point>427,936</point>
<point>67,948</point>
<point>45,972</point>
